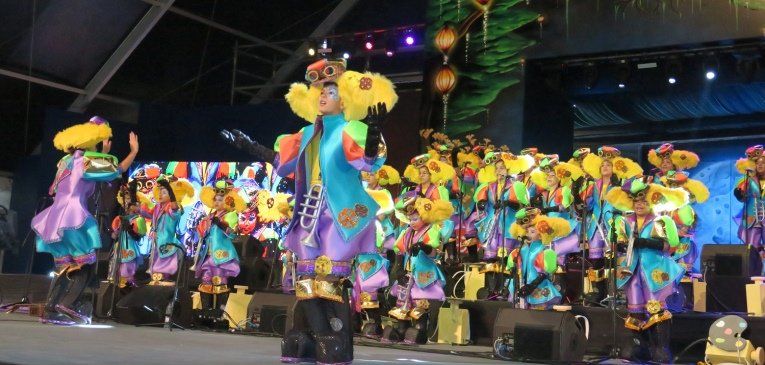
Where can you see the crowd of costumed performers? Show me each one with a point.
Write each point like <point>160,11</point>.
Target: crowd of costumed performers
<point>358,238</point>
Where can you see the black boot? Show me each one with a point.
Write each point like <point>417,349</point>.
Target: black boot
<point>372,327</point>
<point>73,304</point>
<point>298,343</point>
<point>659,339</point>
<point>57,291</point>
<point>640,350</point>
<point>336,347</point>
<point>417,333</point>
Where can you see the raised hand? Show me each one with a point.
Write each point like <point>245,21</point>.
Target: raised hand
<point>106,146</point>
<point>376,116</point>
<point>133,142</point>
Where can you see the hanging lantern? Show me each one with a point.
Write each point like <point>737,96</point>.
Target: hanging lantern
<point>445,81</point>
<point>484,6</point>
<point>445,38</point>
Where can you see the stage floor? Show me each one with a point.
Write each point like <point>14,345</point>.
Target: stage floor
<point>23,340</point>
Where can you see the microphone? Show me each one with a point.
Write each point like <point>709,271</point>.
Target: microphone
<point>618,212</point>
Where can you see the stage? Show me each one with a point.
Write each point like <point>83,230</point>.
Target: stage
<point>23,340</point>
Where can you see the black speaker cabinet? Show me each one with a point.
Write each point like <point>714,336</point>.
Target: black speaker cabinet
<point>542,335</point>
<point>148,304</point>
<point>727,270</point>
<point>271,312</point>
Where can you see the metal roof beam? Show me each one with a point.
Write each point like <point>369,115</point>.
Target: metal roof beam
<point>289,66</point>
<point>123,51</point>
<point>224,28</point>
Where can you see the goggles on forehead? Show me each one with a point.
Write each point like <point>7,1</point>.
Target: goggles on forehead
<point>324,71</point>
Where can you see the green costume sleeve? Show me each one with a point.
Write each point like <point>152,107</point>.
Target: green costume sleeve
<point>687,215</point>
<point>550,260</point>
<point>521,192</point>
<point>670,230</point>
<point>443,193</point>
<point>140,225</point>
<point>568,197</point>
<point>434,236</point>
<point>231,219</point>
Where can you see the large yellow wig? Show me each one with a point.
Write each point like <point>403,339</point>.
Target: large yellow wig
<point>549,228</point>
<point>679,179</point>
<point>231,197</point>
<point>578,156</point>
<point>469,159</point>
<point>439,172</point>
<point>681,160</point>
<point>182,189</point>
<point>383,198</point>
<point>272,207</point>
<point>83,136</point>
<point>358,91</point>
<point>750,161</point>
<point>659,198</point>
<point>515,164</point>
<point>433,211</point>
<point>565,172</point>
<point>624,168</point>
<point>387,175</point>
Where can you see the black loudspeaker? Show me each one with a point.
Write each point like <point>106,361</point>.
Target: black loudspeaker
<point>270,312</point>
<point>727,269</point>
<point>146,305</point>
<point>541,335</point>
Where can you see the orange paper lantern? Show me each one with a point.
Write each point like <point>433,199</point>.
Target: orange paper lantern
<point>445,38</point>
<point>445,79</point>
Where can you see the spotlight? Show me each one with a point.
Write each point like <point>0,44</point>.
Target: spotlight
<point>311,51</point>
<point>711,67</point>
<point>52,274</point>
<point>369,42</point>
<point>409,40</point>
<point>622,73</point>
<point>346,55</point>
<point>673,68</point>
<point>391,45</point>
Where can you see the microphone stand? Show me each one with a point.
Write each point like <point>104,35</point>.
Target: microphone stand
<point>170,309</point>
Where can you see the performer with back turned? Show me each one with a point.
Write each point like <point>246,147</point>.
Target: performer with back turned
<point>334,216</point>
<point>66,229</point>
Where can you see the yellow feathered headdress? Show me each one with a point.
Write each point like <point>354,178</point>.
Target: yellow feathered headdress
<point>749,162</point>
<point>624,168</point>
<point>272,207</point>
<point>387,175</point>
<point>181,188</point>
<point>231,198</point>
<point>659,198</point>
<point>565,172</point>
<point>578,156</point>
<point>515,164</point>
<point>433,211</point>
<point>679,179</point>
<point>358,91</point>
<point>681,160</point>
<point>549,228</point>
<point>83,136</point>
<point>439,171</point>
<point>469,159</point>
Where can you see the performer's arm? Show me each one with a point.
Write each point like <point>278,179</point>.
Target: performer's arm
<point>355,144</point>
<point>286,154</point>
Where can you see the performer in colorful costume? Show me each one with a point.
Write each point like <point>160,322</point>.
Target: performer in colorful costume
<point>217,259</point>
<point>685,217</point>
<point>465,237</point>
<point>424,279</point>
<point>334,216</point>
<point>607,168</point>
<point>666,158</point>
<point>555,199</point>
<point>371,270</point>
<point>647,273</point>
<point>128,229</point>
<point>533,263</point>
<point>165,212</point>
<point>499,197</point>
<point>66,229</point>
<point>749,190</point>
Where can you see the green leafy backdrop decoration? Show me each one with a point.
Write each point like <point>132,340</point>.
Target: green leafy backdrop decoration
<point>484,71</point>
